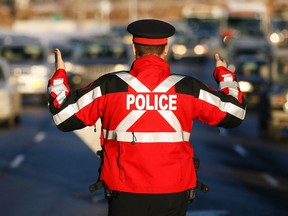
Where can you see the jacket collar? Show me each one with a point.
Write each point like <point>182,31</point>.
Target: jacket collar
<point>150,64</point>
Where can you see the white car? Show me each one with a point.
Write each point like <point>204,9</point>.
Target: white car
<point>27,57</point>
<point>10,102</point>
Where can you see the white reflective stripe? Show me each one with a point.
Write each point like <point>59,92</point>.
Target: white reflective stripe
<point>76,107</point>
<point>61,97</point>
<point>228,85</point>
<point>232,86</point>
<point>58,81</point>
<point>223,106</point>
<point>170,117</point>
<point>147,137</point>
<point>133,82</point>
<point>233,92</point>
<point>168,83</point>
<point>140,88</point>
<point>227,78</point>
<point>57,89</point>
<point>130,119</point>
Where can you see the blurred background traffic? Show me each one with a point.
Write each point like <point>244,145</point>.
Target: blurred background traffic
<point>251,35</point>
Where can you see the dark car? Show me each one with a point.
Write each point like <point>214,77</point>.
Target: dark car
<point>279,32</point>
<point>273,112</point>
<point>187,47</point>
<point>253,76</point>
<point>98,56</point>
<point>251,58</point>
<point>249,45</point>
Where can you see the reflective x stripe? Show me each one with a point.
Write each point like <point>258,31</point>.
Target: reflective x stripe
<point>168,83</point>
<point>76,107</point>
<point>147,137</point>
<point>223,106</point>
<point>133,82</point>
<point>120,131</point>
<point>130,119</point>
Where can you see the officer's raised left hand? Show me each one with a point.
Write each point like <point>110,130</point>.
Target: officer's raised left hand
<point>59,63</point>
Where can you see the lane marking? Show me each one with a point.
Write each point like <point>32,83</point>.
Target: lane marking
<point>270,179</point>
<point>208,213</point>
<point>17,161</point>
<point>240,150</point>
<point>40,136</point>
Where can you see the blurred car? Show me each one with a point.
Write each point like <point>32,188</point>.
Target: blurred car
<point>279,34</point>
<point>249,45</point>
<point>273,112</point>
<point>98,56</point>
<point>27,57</point>
<point>187,47</point>
<point>207,31</point>
<point>251,58</point>
<point>10,103</point>
<point>253,76</point>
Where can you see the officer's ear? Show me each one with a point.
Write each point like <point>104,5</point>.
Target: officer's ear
<point>134,49</point>
<point>165,52</point>
<point>166,49</point>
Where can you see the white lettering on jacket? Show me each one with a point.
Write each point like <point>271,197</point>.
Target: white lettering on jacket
<point>151,101</point>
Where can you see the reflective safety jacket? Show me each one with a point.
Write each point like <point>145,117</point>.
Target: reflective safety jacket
<point>147,116</point>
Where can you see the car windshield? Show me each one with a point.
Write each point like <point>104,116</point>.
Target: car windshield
<point>22,53</point>
<point>279,25</point>
<point>203,27</point>
<point>113,51</point>
<point>244,24</point>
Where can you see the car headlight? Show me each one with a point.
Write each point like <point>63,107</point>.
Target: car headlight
<point>246,86</point>
<point>69,66</point>
<point>120,67</point>
<point>179,49</point>
<point>285,107</point>
<point>200,49</point>
<point>275,38</point>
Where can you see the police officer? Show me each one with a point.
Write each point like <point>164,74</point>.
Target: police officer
<point>147,116</point>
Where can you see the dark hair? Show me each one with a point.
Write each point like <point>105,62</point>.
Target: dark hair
<point>142,50</point>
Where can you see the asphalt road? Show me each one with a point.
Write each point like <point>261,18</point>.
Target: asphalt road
<point>47,172</point>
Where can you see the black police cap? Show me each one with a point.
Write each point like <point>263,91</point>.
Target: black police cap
<point>150,31</point>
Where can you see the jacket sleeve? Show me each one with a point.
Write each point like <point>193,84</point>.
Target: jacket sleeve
<point>223,108</point>
<point>73,110</point>
<point>236,106</point>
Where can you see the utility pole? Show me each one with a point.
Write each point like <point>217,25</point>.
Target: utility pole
<point>80,13</point>
<point>133,10</point>
<point>105,10</point>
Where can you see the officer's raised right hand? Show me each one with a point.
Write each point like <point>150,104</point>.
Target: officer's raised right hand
<point>219,61</point>
<point>59,63</point>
